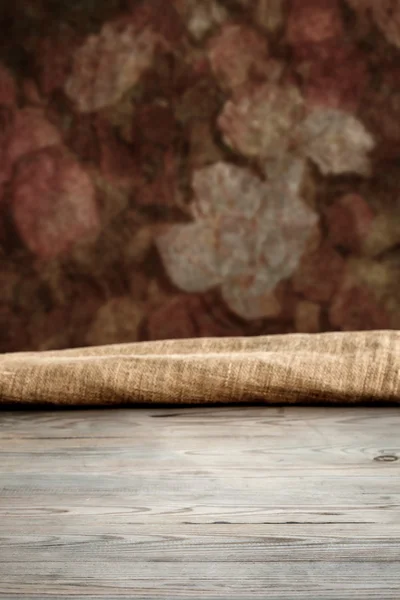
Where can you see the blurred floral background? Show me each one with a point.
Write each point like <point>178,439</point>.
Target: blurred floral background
<point>178,168</point>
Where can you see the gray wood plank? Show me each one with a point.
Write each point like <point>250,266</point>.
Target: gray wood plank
<point>210,503</point>
<point>205,579</point>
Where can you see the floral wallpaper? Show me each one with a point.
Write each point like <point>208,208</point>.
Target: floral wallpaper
<point>179,168</point>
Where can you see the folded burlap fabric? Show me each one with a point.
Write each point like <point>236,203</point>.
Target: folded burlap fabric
<point>330,367</point>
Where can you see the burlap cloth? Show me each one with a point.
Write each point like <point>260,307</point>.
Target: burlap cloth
<point>331,367</point>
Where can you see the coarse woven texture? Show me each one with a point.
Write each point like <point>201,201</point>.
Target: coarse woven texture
<point>330,367</point>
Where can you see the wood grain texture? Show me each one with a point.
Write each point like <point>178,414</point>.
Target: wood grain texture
<point>212,503</point>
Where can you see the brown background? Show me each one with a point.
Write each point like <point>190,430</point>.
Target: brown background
<point>178,168</point>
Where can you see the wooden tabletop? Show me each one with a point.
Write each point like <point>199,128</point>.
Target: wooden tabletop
<point>232,503</point>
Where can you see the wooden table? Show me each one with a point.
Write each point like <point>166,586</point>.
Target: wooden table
<point>232,503</point>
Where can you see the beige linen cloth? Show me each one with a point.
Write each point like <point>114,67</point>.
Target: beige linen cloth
<point>330,367</point>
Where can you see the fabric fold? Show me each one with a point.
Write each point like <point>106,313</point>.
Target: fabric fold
<point>318,368</point>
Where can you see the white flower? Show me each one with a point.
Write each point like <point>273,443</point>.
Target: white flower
<point>247,235</point>
<point>337,142</point>
<point>109,64</point>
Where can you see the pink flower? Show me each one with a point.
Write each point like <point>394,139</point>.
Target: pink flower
<point>191,315</point>
<point>355,308</point>
<point>161,16</point>
<point>319,274</point>
<point>246,237</point>
<point>368,296</point>
<point>26,131</point>
<point>334,73</point>
<point>53,202</point>
<point>31,131</point>
<point>350,219</point>
<point>155,123</point>
<point>313,22</point>
<point>337,79</point>
<point>237,53</point>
